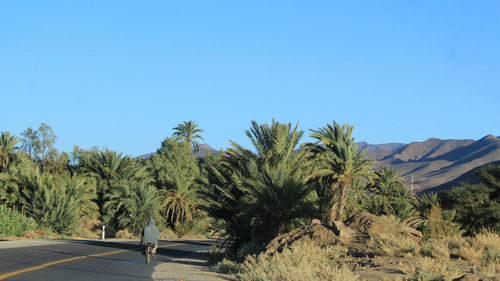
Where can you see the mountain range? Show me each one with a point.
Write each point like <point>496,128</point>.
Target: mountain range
<point>437,164</point>
<point>434,164</point>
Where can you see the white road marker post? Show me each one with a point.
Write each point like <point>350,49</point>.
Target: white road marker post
<point>102,235</point>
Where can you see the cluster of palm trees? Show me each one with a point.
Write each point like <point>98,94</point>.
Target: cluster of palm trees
<point>251,194</point>
<point>99,186</point>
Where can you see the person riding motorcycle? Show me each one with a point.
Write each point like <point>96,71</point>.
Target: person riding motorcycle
<point>150,234</point>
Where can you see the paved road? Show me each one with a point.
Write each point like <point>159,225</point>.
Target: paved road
<point>90,260</point>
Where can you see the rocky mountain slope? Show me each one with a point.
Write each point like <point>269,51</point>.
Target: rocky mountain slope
<point>435,162</point>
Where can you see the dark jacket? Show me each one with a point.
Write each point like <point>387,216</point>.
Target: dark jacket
<point>150,233</point>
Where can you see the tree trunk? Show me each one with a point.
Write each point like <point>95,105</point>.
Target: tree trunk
<point>342,201</point>
<point>332,214</point>
<point>333,207</point>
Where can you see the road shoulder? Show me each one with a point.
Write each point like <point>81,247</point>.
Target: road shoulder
<point>192,267</point>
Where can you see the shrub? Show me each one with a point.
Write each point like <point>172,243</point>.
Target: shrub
<point>57,202</point>
<point>185,228</point>
<point>470,253</point>
<point>125,234</point>
<point>383,244</point>
<point>336,251</point>
<point>485,246</point>
<point>304,261</point>
<point>167,233</point>
<point>226,267</point>
<point>429,269</point>
<point>13,223</point>
<point>492,256</point>
<point>454,243</point>
<point>487,240</point>
<point>437,249</point>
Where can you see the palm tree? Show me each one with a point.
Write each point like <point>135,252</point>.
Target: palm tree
<point>175,171</point>
<point>178,203</point>
<point>179,196</point>
<point>109,167</point>
<point>188,132</point>
<point>387,183</point>
<point>129,205</point>
<point>276,199</point>
<point>58,202</point>
<point>341,161</point>
<point>264,193</point>
<point>7,150</point>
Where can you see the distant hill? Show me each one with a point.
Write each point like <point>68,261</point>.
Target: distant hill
<point>435,163</point>
<point>378,147</point>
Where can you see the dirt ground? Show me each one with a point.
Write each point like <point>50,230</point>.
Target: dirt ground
<point>189,268</point>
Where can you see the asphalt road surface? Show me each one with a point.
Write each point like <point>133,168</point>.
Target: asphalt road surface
<point>90,260</point>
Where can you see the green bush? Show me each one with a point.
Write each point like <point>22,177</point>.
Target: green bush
<point>13,223</point>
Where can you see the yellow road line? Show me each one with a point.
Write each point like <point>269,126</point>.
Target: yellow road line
<point>13,273</point>
<point>105,254</point>
<point>169,245</point>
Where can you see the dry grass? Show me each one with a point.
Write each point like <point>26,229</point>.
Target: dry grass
<point>484,247</point>
<point>40,234</point>
<point>429,269</point>
<point>31,235</point>
<point>487,240</point>
<point>437,249</point>
<point>167,233</point>
<point>491,270</point>
<point>470,253</point>
<point>304,261</point>
<point>454,243</point>
<point>90,228</point>
<point>125,234</point>
<point>336,251</point>
<point>392,245</point>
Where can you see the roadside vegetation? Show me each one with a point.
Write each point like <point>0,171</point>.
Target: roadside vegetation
<point>251,196</point>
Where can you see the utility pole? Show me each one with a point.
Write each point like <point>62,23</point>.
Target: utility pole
<point>412,193</point>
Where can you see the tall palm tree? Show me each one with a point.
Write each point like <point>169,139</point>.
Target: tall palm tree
<point>7,150</point>
<point>189,132</point>
<point>175,171</point>
<point>341,161</point>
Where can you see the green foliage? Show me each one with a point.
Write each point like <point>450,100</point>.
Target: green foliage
<point>8,149</point>
<point>387,183</point>
<point>477,206</point>
<point>13,223</point>
<point>176,171</point>
<point>129,205</point>
<point>260,195</point>
<point>389,196</point>
<point>188,132</point>
<point>57,202</point>
<point>340,161</point>
<point>108,168</point>
<point>39,144</point>
<point>475,209</point>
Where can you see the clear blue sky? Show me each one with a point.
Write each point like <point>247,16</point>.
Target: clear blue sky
<point>122,74</point>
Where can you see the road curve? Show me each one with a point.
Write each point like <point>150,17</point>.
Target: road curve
<point>91,259</point>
